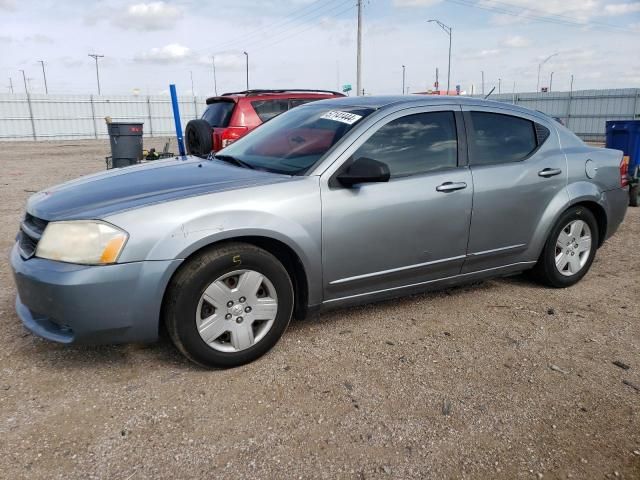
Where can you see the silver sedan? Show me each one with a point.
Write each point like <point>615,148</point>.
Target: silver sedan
<point>333,203</point>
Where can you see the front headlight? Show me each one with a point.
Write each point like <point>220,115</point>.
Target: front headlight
<point>85,242</point>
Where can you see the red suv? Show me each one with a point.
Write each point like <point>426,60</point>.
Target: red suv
<point>232,115</point>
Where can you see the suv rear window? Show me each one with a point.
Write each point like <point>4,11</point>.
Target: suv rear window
<point>218,114</point>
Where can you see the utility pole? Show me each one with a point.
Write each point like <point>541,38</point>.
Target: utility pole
<point>24,78</point>
<point>403,77</point>
<point>247,57</point>
<point>513,93</point>
<point>540,67</point>
<point>359,53</point>
<point>44,75</point>
<point>550,81</point>
<point>447,29</point>
<point>571,86</point>
<point>10,85</point>
<point>482,81</point>
<point>215,83</point>
<point>437,84</point>
<point>95,56</point>
<point>499,86</point>
<point>193,94</point>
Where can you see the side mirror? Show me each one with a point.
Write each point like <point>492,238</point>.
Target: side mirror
<point>364,170</point>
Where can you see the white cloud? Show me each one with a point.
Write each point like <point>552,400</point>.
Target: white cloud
<point>622,8</point>
<point>148,16</point>
<point>492,52</point>
<point>172,53</point>
<point>7,4</point>
<point>415,3</point>
<point>516,41</point>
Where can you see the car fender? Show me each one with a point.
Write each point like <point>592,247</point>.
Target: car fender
<point>573,194</point>
<point>287,213</point>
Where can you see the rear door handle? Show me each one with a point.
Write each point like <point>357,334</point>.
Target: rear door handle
<point>451,186</point>
<point>549,172</point>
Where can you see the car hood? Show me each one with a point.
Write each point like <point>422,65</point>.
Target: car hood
<point>102,194</point>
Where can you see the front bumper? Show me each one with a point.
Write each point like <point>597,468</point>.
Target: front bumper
<point>82,304</point>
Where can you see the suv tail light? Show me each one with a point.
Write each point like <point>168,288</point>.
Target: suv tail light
<point>231,134</point>
<point>624,171</point>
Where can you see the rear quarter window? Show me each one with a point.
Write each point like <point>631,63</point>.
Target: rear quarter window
<point>500,138</point>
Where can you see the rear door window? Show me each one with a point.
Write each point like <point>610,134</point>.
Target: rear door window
<point>267,109</point>
<point>218,114</point>
<point>499,138</point>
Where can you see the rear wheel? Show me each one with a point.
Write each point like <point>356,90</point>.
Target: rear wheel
<point>229,305</point>
<point>569,250</point>
<point>198,138</point>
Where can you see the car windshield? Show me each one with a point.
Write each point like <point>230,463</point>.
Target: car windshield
<point>292,142</point>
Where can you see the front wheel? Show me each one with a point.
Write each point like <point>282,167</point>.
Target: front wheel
<point>569,250</point>
<point>228,305</point>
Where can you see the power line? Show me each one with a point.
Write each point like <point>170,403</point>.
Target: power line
<point>293,33</point>
<point>259,34</point>
<point>540,16</point>
<point>561,16</point>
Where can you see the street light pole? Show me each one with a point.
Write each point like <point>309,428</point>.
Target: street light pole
<point>540,68</point>
<point>96,57</point>
<point>482,81</point>
<point>215,83</point>
<point>24,78</point>
<point>499,86</point>
<point>447,29</point>
<point>403,76</point>
<point>550,81</point>
<point>44,75</point>
<point>247,57</point>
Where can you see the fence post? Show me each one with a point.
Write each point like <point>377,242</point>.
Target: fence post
<point>93,118</point>
<point>635,105</point>
<point>195,107</point>
<point>149,115</point>
<point>33,123</point>
<point>569,108</point>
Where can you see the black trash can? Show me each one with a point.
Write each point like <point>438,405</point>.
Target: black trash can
<point>126,143</point>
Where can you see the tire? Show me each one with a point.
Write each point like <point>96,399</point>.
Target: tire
<point>577,260</point>
<point>634,195</point>
<point>218,334</point>
<point>198,138</point>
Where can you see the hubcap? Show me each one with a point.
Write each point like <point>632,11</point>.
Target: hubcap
<point>573,247</point>
<point>237,310</point>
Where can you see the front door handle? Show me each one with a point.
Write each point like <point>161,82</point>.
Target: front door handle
<point>451,186</point>
<point>549,172</point>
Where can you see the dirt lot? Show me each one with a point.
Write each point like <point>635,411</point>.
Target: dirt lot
<point>525,374</point>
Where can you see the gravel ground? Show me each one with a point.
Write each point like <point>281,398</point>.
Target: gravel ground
<point>503,379</point>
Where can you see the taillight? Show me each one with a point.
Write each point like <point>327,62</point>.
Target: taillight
<point>231,134</point>
<point>624,171</point>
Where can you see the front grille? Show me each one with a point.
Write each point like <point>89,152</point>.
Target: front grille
<point>31,230</point>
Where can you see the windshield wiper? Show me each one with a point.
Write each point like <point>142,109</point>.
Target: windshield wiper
<point>234,161</point>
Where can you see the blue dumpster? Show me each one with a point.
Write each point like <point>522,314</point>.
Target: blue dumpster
<point>625,135</point>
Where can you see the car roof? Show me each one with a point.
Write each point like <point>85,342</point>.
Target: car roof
<point>385,101</point>
<point>258,94</point>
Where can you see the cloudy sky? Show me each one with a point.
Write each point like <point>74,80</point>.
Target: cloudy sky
<point>306,43</point>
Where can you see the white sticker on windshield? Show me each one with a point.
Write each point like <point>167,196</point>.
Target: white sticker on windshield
<point>344,117</point>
